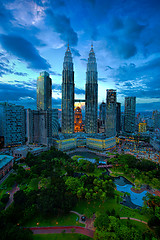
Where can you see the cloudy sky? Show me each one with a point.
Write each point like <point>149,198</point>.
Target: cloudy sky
<point>126,38</point>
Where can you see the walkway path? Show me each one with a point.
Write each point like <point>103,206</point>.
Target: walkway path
<point>79,215</point>
<point>67,229</point>
<point>11,192</point>
<point>134,219</point>
<point>89,223</point>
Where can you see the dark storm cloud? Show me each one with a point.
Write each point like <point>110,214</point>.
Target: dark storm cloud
<point>117,23</point>
<point>123,36</point>
<point>61,24</point>
<point>5,16</point>
<point>132,29</point>
<point>24,50</point>
<point>75,52</point>
<point>126,49</point>
<point>12,92</point>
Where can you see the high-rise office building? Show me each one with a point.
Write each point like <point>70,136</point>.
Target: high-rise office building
<point>12,124</point>
<point>68,94</point>
<point>118,117</point>
<point>156,119</point>
<point>102,112</point>
<point>39,126</point>
<point>91,94</point>
<point>111,113</point>
<point>55,123</point>
<point>129,114</point>
<point>44,92</point>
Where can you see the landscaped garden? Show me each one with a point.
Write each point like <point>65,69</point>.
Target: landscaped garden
<point>54,184</point>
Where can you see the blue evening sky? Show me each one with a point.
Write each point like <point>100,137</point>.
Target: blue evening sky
<point>125,35</point>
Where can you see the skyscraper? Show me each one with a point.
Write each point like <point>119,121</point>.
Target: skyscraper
<point>129,114</point>
<point>102,112</point>
<point>12,124</point>
<point>91,94</point>
<point>39,126</point>
<point>68,94</point>
<point>118,117</point>
<point>44,92</point>
<point>111,113</point>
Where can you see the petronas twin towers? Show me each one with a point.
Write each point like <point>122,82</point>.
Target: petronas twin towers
<point>91,94</point>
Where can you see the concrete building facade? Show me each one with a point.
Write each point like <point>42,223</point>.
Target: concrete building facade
<point>68,93</point>
<point>39,127</point>
<point>91,94</point>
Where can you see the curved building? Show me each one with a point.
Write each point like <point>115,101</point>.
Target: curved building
<point>91,94</point>
<point>68,93</point>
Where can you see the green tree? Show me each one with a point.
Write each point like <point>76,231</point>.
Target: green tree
<point>73,184</point>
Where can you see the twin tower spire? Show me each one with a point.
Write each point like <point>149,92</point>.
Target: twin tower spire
<point>91,94</point>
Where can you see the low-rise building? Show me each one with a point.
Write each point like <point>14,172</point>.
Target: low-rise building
<point>93,141</point>
<point>6,164</point>
<point>21,152</point>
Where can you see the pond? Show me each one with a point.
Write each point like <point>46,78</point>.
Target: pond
<point>87,155</point>
<point>135,200</point>
<point>123,185</point>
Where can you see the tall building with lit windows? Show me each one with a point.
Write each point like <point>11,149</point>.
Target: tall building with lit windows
<point>68,93</point>
<point>91,94</point>
<point>111,113</point>
<point>12,124</point>
<point>44,92</point>
<point>129,114</point>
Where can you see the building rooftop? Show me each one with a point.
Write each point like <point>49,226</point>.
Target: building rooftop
<point>80,135</point>
<point>4,159</point>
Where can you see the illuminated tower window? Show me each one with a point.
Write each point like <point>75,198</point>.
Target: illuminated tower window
<point>78,124</point>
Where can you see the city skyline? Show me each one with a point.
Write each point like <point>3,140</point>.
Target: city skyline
<point>125,36</point>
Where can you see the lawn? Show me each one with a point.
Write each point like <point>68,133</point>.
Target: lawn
<point>65,236</point>
<point>88,208</point>
<point>67,220</point>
